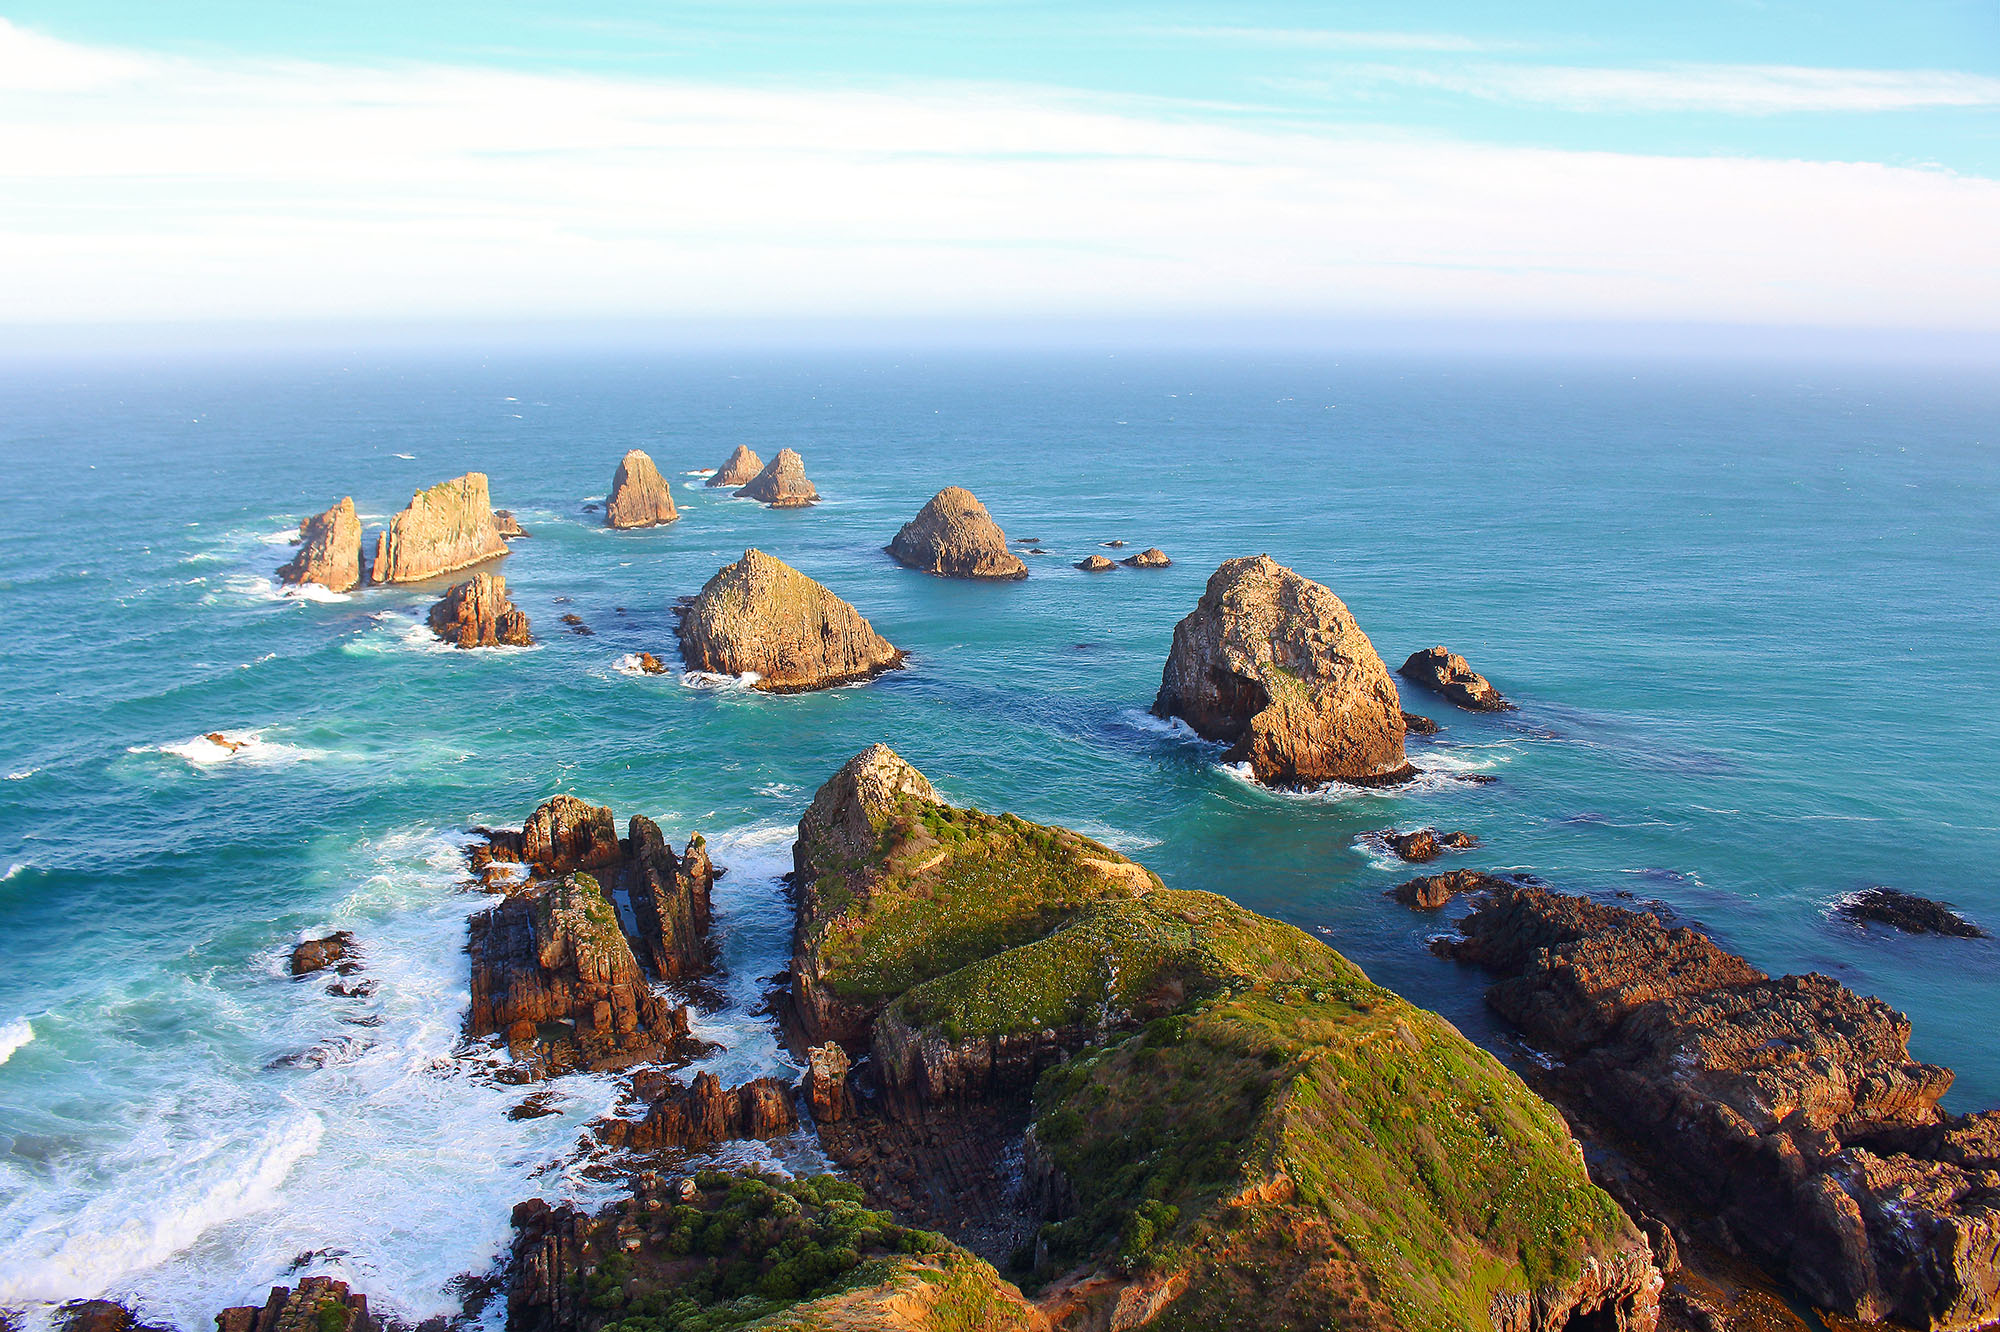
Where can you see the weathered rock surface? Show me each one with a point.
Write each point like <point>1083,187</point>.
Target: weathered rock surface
<point>477,613</point>
<point>1274,664</point>
<point>506,524</point>
<point>1447,675</point>
<point>563,834</point>
<point>329,550</point>
<point>670,898</point>
<point>99,1316</point>
<point>1786,1113</point>
<point>318,1304</point>
<point>1418,724</point>
<point>314,955</point>
<point>1150,558</point>
<point>782,484</point>
<point>740,470</point>
<point>1426,843</point>
<point>827,1067</point>
<point>1906,912</point>
<point>679,1116</point>
<point>954,537</point>
<point>444,529</point>
<point>651,664</point>
<point>761,616</point>
<point>639,494</point>
<point>1095,564</point>
<point>1428,892</point>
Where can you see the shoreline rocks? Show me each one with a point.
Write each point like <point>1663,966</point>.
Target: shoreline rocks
<point>639,495</point>
<point>317,1304</point>
<point>1274,665</point>
<point>329,550</point>
<point>1428,892</point>
<point>782,484</point>
<point>334,950</point>
<point>740,469</point>
<point>506,524</point>
<point>761,617</point>
<point>1906,912</point>
<point>953,536</point>
<point>477,613</point>
<point>1447,675</point>
<point>680,1116</point>
<point>444,529</point>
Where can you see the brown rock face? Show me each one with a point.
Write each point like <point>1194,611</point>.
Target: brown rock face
<point>1426,843</point>
<point>1428,892</point>
<point>740,470</point>
<point>680,1116</point>
<point>1447,675</point>
<point>319,1304</point>
<point>826,1083</point>
<point>639,495</point>
<point>670,898</point>
<point>563,834</point>
<point>783,484</point>
<point>1095,564</point>
<point>651,664</point>
<point>1417,724</point>
<point>329,550</point>
<point>319,954</point>
<point>1150,558</point>
<point>506,524</point>
<point>1787,1113</point>
<point>1275,665</point>
<point>445,528</point>
<point>760,615</point>
<point>840,824</point>
<point>954,537</point>
<point>476,613</point>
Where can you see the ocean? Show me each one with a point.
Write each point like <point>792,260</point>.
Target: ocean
<point>1748,611</point>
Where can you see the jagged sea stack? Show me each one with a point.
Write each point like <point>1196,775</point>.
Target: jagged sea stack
<point>477,613</point>
<point>639,495</point>
<point>1274,664</point>
<point>954,537</point>
<point>761,617</point>
<point>740,470</point>
<point>1448,675</point>
<point>783,484</point>
<point>444,529</point>
<point>329,550</point>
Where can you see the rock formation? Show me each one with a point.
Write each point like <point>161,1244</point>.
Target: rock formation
<point>1426,843</point>
<point>476,613</point>
<point>651,664</point>
<point>740,470</point>
<point>670,898</point>
<point>761,617</point>
<point>1274,665</point>
<point>1446,674</point>
<point>1095,564</point>
<point>1418,724</point>
<point>563,834</point>
<point>680,1116</point>
<point>827,1067</point>
<point>1428,892</point>
<point>319,1304</point>
<point>1150,558</point>
<point>444,529</point>
<point>335,950</point>
<point>639,495</point>
<point>1906,912</point>
<point>505,523</point>
<point>1786,1114</point>
<point>954,537</point>
<point>782,484</point>
<point>329,550</point>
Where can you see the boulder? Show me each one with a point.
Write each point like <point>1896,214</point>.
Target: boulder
<point>444,529</point>
<point>1150,558</point>
<point>681,1116</point>
<point>1906,912</point>
<point>318,954</point>
<point>1428,892</point>
<point>1415,723</point>
<point>1446,674</point>
<point>318,1304</point>
<point>505,523</point>
<point>1426,843</point>
<point>782,484</point>
<point>329,550</point>
<point>639,495</point>
<point>651,664</point>
<point>563,834</point>
<point>1095,564</point>
<point>740,470</point>
<point>1274,665</point>
<point>763,618</point>
<point>476,613</point>
<point>954,537</point>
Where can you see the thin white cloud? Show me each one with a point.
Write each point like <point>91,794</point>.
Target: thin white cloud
<point>1338,39</point>
<point>1735,89</point>
<point>186,189</point>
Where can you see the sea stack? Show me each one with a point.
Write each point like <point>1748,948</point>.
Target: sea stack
<point>444,529</point>
<point>476,613</point>
<point>783,484</point>
<point>740,470</point>
<point>1447,675</point>
<point>763,618</point>
<point>1152,557</point>
<point>639,495</point>
<point>954,537</point>
<point>1274,664</point>
<point>329,550</point>
<point>1095,564</point>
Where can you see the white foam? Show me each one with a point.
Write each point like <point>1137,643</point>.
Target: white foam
<point>22,775</point>
<point>20,1031</point>
<point>629,665</point>
<point>259,587</point>
<point>1172,728</point>
<point>15,867</point>
<point>239,747</point>
<point>702,471</point>
<point>711,680</point>
<point>1115,838</point>
<point>1375,849</point>
<point>411,457</point>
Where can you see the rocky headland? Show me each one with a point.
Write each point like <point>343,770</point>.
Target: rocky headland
<point>444,529</point>
<point>477,613</point>
<point>1274,665</point>
<point>740,469</point>
<point>329,550</point>
<point>782,484</point>
<point>639,494</point>
<point>954,537</point>
<point>1447,675</point>
<point>761,617</point>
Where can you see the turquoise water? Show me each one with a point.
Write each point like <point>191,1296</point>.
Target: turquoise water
<point>1748,612</point>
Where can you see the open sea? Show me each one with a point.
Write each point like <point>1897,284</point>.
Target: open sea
<point>1751,614</point>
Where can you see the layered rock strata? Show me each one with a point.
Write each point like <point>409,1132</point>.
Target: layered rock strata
<point>740,469</point>
<point>782,484</point>
<point>329,550</point>
<point>954,537</point>
<point>446,528</point>
<point>680,1116</point>
<point>1786,1114</point>
<point>316,1304</point>
<point>1275,666</point>
<point>639,495</point>
<point>477,613</point>
<point>1447,675</point>
<point>760,617</point>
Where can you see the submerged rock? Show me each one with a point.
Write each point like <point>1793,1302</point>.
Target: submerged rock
<point>639,495</point>
<point>1906,912</point>
<point>329,550</point>
<point>761,617</point>
<point>954,537</point>
<point>318,1304</point>
<point>1150,558</point>
<point>782,484</point>
<point>1274,665</point>
<point>740,470</point>
<point>444,529</point>
<point>476,613</point>
<point>1447,675</point>
<point>1095,564</point>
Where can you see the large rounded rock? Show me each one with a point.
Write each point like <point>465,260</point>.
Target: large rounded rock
<point>1274,664</point>
<point>444,529</point>
<point>740,470</point>
<point>1447,675</point>
<point>783,484</point>
<point>762,618</point>
<point>477,613</point>
<point>639,494</point>
<point>329,550</point>
<point>954,537</point>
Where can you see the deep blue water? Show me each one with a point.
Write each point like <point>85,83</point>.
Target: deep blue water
<point>1749,613</point>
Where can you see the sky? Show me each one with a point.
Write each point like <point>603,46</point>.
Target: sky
<point>1714,162</point>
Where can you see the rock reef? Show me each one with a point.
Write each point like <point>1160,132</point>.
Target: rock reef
<point>1447,675</point>
<point>477,613</point>
<point>679,1116</point>
<point>782,484</point>
<point>740,469</point>
<point>1906,912</point>
<point>444,529</point>
<point>329,550</point>
<point>954,537</point>
<point>1428,892</point>
<point>760,617</point>
<point>639,495</point>
<point>1275,666</point>
<point>506,524</point>
<point>1425,844</point>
